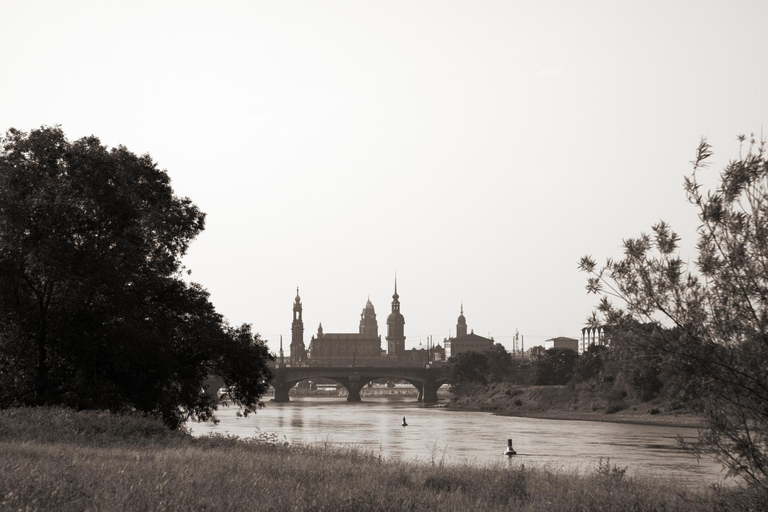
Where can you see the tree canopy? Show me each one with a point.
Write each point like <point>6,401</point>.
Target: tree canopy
<point>467,367</point>
<point>554,367</point>
<point>94,312</point>
<point>500,364</point>
<point>711,317</point>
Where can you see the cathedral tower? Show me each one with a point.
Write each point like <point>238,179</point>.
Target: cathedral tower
<point>298,350</point>
<point>461,325</point>
<point>395,327</point>
<point>369,328</point>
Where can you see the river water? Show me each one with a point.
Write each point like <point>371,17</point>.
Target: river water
<point>438,433</point>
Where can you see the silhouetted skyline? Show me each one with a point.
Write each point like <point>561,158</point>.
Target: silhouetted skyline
<point>476,149</point>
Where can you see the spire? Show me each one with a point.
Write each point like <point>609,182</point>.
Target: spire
<point>298,299</point>
<point>395,296</point>
<point>461,323</point>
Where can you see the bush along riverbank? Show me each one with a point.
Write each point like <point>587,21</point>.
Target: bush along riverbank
<point>570,403</point>
<point>57,459</point>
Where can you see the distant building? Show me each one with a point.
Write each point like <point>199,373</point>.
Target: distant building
<point>424,353</point>
<point>395,328</point>
<point>464,342</point>
<point>535,352</point>
<point>298,354</point>
<point>592,336</point>
<point>345,349</point>
<point>562,342</point>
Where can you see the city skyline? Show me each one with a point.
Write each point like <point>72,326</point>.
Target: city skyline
<point>475,149</point>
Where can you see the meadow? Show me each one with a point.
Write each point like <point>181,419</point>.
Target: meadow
<point>58,459</point>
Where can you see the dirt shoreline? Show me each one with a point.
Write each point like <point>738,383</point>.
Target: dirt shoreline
<point>563,403</point>
<point>630,417</point>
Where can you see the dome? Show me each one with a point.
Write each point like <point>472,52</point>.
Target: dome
<point>395,318</point>
<point>462,320</point>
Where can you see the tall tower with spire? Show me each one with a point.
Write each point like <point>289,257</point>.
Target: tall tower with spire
<point>461,324</point>
<point>298,350</point>
<point>395,327</point>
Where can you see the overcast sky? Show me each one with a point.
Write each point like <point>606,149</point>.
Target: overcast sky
<point>476,148</point>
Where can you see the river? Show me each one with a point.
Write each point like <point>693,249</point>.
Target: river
<point>438,433</point>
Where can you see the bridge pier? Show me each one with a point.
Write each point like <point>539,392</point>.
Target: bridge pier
<point>428,393</point>
<point>281,389</point>
<point>353,388</point>
<point>354,392</point>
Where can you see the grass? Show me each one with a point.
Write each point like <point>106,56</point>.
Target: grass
<point>56,459</point>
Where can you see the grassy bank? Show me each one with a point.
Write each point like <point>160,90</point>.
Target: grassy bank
<point>55,459</point>
<point>564,403</point>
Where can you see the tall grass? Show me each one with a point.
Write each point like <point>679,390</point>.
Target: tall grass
<point>55,459</point>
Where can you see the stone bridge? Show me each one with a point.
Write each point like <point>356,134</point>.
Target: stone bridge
<point>426,379</point>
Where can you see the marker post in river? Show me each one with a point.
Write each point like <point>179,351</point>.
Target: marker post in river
<point>510,450</point>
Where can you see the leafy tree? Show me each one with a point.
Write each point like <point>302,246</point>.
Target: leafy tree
<point>555,366</point>
<point>93,310</point>
<point>467,367</point>
<point>499,363</point>
<point>590,364</point>
<point>715,312</point>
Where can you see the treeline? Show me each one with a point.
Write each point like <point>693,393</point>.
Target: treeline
<point>631,368</point>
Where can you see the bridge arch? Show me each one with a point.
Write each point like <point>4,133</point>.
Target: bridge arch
<point>426,379</point>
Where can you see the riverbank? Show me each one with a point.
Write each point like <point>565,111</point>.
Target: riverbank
<point>56,459</point>
<point>563,403</point>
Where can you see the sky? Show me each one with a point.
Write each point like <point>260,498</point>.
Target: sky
<point>476,149</point>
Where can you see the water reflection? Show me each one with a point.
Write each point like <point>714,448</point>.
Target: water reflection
<point>435,433</point>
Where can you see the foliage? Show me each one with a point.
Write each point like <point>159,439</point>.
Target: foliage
<point>493,365</point>
<point>555,366</point>
<point>711,318</point>
<point>93,310</point>
<point>590,364</point>
<point>467,367</point>
<point>499,363</point>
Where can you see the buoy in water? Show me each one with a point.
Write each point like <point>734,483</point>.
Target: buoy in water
<point>404,423</point>
<point>510,450</point>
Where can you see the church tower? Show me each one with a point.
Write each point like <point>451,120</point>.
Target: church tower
<point>369,328</point>
<point>298,350</point>
<point>461,325</point>
<point>395,327</point>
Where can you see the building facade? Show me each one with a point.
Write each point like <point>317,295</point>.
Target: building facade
<point>592,336</point>
<point>562,342</point>
<point>362,348</point>
<point>348,349</point>
<point>464,342</point>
